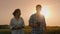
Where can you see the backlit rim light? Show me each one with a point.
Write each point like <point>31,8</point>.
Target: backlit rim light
<point>45,11</point>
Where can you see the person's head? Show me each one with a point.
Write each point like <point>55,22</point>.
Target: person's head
<point>38,8</point>
<point>17,13</point>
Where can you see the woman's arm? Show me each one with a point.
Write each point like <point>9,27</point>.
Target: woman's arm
<point>12,26</point>
<point>22,24</point>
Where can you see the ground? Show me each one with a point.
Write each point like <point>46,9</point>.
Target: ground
<point>50,30</point>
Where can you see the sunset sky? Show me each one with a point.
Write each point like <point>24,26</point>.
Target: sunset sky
<point>50,9</point>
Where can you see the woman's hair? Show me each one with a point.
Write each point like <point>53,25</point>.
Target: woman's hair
<point>16,11</point>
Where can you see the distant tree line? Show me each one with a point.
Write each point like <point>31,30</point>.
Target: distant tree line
<point>7,27</point>
<point>4,26</point>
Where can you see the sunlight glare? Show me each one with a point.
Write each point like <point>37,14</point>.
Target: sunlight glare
<point>45,11</point>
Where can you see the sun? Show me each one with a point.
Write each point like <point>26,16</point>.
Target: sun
<point>45,11</point>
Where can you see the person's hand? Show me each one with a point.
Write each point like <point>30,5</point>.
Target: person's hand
<point>19,27</point>
<point>38,24</point>
<point>34,25</point>
<point>44,30</point>
<point>14,28</point>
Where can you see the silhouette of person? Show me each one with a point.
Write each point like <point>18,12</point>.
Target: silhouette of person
<point>17,23</point>
<point>37,22</point>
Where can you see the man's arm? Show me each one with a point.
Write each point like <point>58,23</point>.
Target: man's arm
<point>44,25</point>
<point>31,21</point>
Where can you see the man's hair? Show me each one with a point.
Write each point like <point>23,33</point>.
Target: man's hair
<point>38,6</point>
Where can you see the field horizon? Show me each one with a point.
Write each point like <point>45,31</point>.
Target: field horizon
<point>4,29</point>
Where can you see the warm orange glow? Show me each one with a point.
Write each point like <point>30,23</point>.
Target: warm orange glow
<point>45,11</point>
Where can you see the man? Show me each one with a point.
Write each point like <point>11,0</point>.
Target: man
<point>37,22</point>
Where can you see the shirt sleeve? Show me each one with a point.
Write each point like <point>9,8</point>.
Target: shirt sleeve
<point>31,20</point>
<point>43,22</point>
<point>11,24</point>
<point>22,25</point>
<point>44,26</point>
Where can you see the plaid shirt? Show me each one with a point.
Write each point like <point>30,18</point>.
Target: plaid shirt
<point>35,19</point>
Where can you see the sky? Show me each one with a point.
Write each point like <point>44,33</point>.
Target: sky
<point>52,12</point>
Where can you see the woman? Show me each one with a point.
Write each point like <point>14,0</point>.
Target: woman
<point>17,23</point>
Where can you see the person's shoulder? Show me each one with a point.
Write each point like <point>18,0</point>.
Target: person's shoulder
<point>12,19</point>
<point>21,18</point>
<point>42,16</point>
<point>33,15</point>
